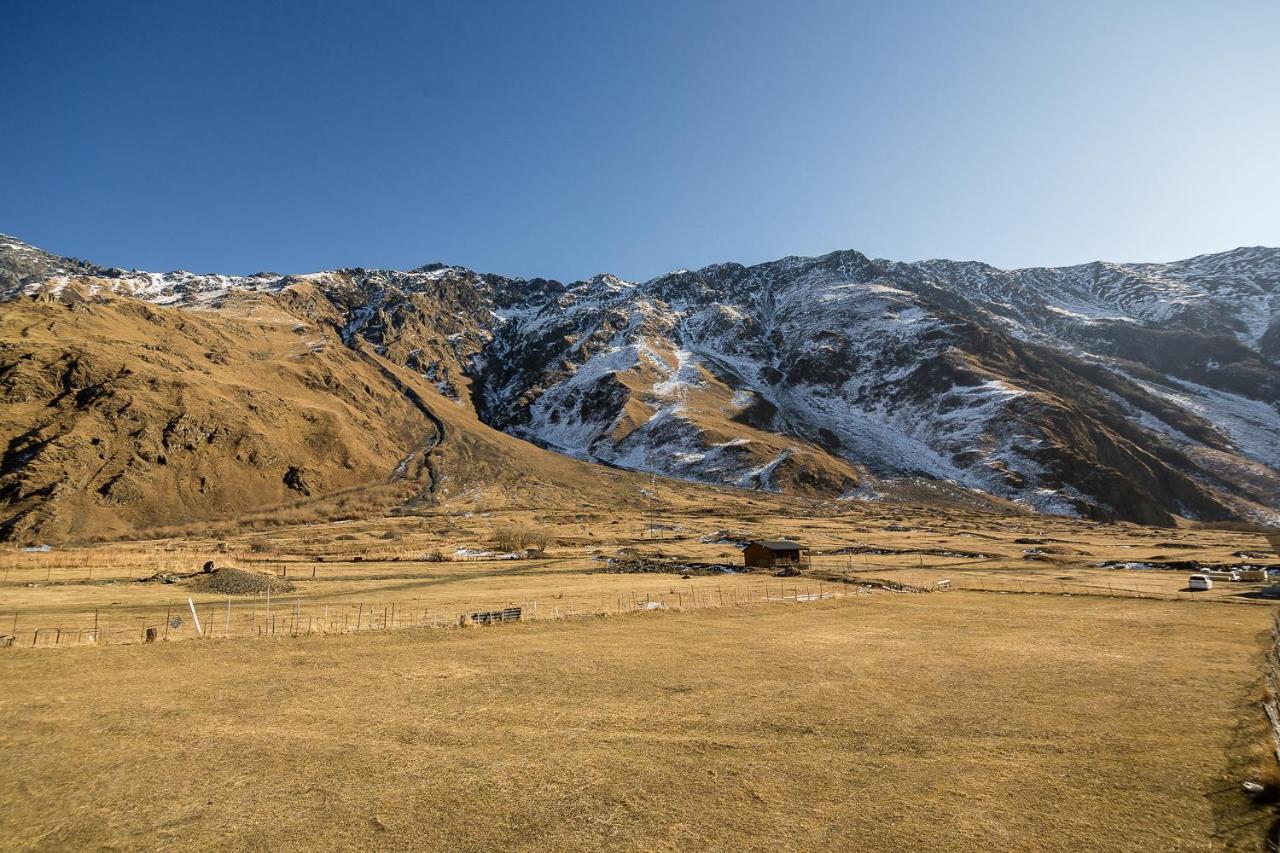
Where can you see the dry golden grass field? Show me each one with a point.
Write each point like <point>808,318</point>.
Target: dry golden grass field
<point>1066,693</point>
<point>884,721</point>
<point>374,573</point>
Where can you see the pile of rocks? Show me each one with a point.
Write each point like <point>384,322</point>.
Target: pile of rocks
<point>225,580</point>
<point>229,581</point>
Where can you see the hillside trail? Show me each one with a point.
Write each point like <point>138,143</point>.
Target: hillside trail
<point>427,462</point>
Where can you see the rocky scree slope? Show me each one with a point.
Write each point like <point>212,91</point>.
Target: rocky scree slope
<point>1132,391</point>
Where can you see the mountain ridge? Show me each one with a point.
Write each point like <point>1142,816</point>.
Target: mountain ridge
<point>1136,391</point>
<point>11,244</point>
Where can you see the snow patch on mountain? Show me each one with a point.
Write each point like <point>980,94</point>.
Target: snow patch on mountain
<point>915,370</point>
<point>686,375</point>
<point>1251,425</point>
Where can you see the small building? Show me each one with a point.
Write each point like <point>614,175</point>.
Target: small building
<point>776,554</point>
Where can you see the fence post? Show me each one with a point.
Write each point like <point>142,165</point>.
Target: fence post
<point>195,618</point>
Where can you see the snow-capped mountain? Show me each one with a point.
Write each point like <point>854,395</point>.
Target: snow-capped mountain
<point>1096,389</point>
<point>1137,391</point>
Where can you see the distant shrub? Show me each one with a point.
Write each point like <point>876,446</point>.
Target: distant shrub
<point>506,538</point>
<point>513,537</point>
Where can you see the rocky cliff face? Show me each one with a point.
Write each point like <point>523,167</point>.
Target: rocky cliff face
<point>1141,391</point>
<point>1134,392</point>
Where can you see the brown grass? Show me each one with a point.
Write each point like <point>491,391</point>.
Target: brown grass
<point>886,722</point>
<point>385,562</point>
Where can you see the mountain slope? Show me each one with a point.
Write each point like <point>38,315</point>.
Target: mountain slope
<point>903,370</point>
<point>121,417</point>
<point>1142,391</point>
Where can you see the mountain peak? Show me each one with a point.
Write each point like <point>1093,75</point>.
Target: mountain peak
<point>1137,391</point>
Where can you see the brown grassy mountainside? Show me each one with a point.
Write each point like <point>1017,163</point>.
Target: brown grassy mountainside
<point>121,417</point>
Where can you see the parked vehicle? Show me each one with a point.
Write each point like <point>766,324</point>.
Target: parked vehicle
<point>1199,582</point>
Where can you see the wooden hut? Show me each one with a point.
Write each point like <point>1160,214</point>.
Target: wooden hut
<point>776,554</point>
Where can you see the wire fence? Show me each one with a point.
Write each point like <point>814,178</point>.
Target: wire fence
<point>295,616</point>
<point>292,615</point>
<point>1113,584</point>
<point>68,567</point>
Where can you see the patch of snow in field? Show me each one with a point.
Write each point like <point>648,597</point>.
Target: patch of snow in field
<point>478,553</point>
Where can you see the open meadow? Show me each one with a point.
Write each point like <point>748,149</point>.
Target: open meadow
<point>884,721</point>
<point>1062,690</point>
<point>425,571</point>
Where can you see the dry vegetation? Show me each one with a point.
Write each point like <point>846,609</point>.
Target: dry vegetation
<point>430,568</point>
<point>881,722</point>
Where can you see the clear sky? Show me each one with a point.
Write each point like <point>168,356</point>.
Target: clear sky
<point>564,139</point>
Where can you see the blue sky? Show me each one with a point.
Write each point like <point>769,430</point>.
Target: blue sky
<point>564,139</point>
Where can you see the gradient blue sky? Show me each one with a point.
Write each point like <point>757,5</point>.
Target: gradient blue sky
<point>564,139</point>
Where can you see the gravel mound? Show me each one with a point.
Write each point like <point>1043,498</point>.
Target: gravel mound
<point>228,581</point>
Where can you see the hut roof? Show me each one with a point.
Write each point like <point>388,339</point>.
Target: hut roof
<point>779,545</point>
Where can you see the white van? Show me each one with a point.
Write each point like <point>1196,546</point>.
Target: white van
<point>1199,582</point>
